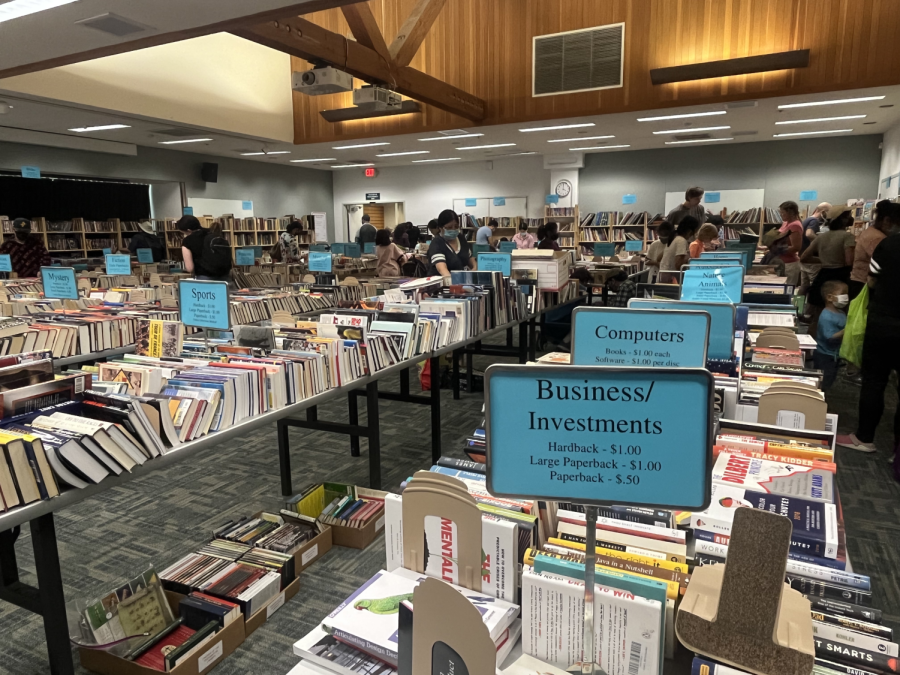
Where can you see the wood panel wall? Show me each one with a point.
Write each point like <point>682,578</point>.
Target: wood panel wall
<point>485,47</point>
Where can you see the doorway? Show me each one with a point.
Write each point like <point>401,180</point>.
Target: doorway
<point>381,214</point>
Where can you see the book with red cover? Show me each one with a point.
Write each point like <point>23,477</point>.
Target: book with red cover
<point>155,656</point>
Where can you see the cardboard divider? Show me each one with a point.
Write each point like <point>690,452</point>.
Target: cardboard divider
<point>223,643</point>
<point>774,404</point>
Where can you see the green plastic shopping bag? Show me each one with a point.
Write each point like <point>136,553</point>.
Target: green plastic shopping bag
<point>855,330</point>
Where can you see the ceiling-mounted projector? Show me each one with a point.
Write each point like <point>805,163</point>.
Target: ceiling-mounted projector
<point>376,98</point>
<point>319,81</point>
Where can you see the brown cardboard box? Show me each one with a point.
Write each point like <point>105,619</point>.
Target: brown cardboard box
<point>222,644</point>
<point>312,550</point>
<point>360,537</point>
<point>258,619</point>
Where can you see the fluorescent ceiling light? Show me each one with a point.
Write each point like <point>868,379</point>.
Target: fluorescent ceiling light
<point>600,147</point>
<point>516,154</point>
<point>189,140</point>
<point>814,133</point>
<point>699,140</point>
<point>350,166</point>
<point>692,130</point>
<point>580,138</point>
<point>103,127</point>
<point>559,126</point>
<point>401,154</point>
<point>361,145</point>
<point>823,119</point>
<point>862,99</point>
<point>254,154</point>
<point>485,147</point>
<point>442,159</point>
<point>681,117</point>
<point>19,8</point>
<point>450,138</point>
<point>321,159</point>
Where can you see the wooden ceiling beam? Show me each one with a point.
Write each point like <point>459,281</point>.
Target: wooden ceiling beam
<point>304,39</point>
<point>413,31</point>
<point>365,29</point>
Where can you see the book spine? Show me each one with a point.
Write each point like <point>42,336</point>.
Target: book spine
<point>883,632</point>
<point>809,571</point>
<point>706,559</point>
<point>851,638</point>
<point>816,588</point>
<point>839,565</point>
<point>379,652</point>
<point>845,609</point>
<point>829,649</point>
<point>844,668</point>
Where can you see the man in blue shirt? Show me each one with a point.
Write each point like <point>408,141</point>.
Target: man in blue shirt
<point>485,232</point>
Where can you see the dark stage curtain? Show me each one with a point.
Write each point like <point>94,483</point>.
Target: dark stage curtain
<point>67,199</point>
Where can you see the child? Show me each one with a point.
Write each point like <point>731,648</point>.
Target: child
<point>706,240</point>
<point>831,329</point>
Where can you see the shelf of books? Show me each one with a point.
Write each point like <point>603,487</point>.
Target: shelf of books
<point>751,223</point>
<point>567,218</point>
<point>613,227</point>
<point>79,238</point>
<point>262,233</point>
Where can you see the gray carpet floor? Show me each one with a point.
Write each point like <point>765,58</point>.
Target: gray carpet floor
<point>159,518</point>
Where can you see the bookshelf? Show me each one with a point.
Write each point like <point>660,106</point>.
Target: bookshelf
<point>614,227</point>
<point>80,238</point>
<point>568,219</point>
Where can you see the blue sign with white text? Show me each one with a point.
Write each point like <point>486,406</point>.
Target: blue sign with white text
<point>245,256</point>
<point>809,195</point>
<point>352,251</point>
<point>145,255</point>
<point>204,304</point>
<point>721,322</point>
<point>107,251</point>
<point>319,247</point>
<point>471,202</point>
<point>31,172</point>
<point>713,284</point>
<point>629,199</point>
<point>59,283</point>
<point>481,248</point>
<point>319,262</point>
<point>246,206</point>
<point>499,201</point>
<point>118,264</point>
<point>647,338</point>
<point>712,197</point>
<point>369,247</point>
<point>634,245</point>
<point>604,249</point>
<point>600,435</point>
<point>508,246</point>
<point>337,248</point>
<point>5,263</point>
<point>551,199</point>
<point>495,262</point>
<point>187,211</point>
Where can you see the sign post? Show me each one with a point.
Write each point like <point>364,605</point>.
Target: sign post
<point>118,264</point>
<point>204,304</point>
<point>319,261</point>
<point>145,255</point>
<point>713,284</point>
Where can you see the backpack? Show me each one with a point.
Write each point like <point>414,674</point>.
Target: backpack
<point>414,268</point>
<point>215,256</point>
<point>157,247</point>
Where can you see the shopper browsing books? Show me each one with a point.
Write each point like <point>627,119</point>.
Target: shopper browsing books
<point>400,236</point>
<point>834,251</point>
<point>366,232</point>
<point>486,232</point>
<point>289,243</point>
<point>147,238</point>
<point>388,254</point>
<point>831,330</point>
<point>412,234</point>
<point>658,248</point>
<point>811,228</point>
<point>887,215</point>
<point>706,236</point>
<point>691,207</point>
<point>206,253</point>
<point>624,288</point>
<point>676,252</point>
<point>790,214</point>
<point>448,251</point>
<point>26,252</point>
<point>524,238</point>
<point>547,236</point>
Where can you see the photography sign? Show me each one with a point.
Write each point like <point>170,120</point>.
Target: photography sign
<point>632,436</point>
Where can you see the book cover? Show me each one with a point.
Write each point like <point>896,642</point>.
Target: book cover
<point>760,475</point>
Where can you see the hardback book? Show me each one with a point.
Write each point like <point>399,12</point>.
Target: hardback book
<point>852,638</point>
<point>325,650</point>
<point>702,666</point>
<point>198,609</point>
<point>855,656</point>
<point>32,398</point>
<point>190,646</point>
<point>155,657</point>
<point>760,475</point>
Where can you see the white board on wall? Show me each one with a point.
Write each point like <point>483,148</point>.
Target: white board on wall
<point>219,207</point>
<point>733,200</point>
<point>485,207</point>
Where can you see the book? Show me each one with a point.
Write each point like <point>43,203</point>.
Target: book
<point>187,648</point>
<point>817,588</point>
<point>155,657</point>
<point>852,638</point>
<point>760,475</point>
<point>701,666</point>
<point>325,650</point>
<point>884,632</point>
<point>837,651</point>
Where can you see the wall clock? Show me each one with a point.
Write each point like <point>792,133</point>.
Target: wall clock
<point>563,188</point>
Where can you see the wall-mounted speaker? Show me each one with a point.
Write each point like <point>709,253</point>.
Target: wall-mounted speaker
<point>209,172</point>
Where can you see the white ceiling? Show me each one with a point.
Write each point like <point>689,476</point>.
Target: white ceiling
<point>54,33</point>
<point>748,124</point>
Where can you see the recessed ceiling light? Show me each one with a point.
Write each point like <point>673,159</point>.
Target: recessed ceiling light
<point>681,117</point>
<point>579,139</point>
<point>699,140</point>
<point>401,154</point>
<point>361,145</point>
<point>278,152</point>
<point>444,138</point>
<point>862,99</point>
<point>485,147</point>
<point>350,166</point>
<point>690,130</point>
<point>18,8</point>
<point>814,133</point>
<point>442,159</point>
<point>189,140</point>
<point>103,127</point>
<point>823,119</point>
<point>559,126</point>
<point>517,154</point>
<point>321,159</point>
<point>600,147</point>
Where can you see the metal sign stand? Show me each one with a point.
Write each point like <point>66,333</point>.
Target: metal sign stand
<point>587,665</point>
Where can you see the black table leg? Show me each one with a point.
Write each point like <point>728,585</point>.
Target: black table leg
<point>9,568</point>
<point>531,340</point>
<point>404,382</point>
<point>523,342</point>
<point>470,370</point>
<point>374,434</point>
<point>353,407</point>
<point>284,458</point>
<point>435,368</point>
<point>53,599</point>
<point>509,337</point>
<point>435,416</point>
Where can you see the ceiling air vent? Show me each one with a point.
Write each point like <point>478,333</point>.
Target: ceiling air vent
<point>692,137</point>
<point>580,60</point>
<point>113,24</point>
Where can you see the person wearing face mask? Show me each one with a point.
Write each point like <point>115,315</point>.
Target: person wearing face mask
<point>656,250</point>
<point>26,251</point>
<point>831,330</point>
<point>547,235</point>
<point>524,238</point>
<point>448,251</point>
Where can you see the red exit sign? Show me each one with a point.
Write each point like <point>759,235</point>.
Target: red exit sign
<point>371,172</point>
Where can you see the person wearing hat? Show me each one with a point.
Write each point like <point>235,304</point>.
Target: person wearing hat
<point>26,252</point>
<point>834,251</point>
<point>147,238</point>
<point>448,251</point>
<point>623,287</point>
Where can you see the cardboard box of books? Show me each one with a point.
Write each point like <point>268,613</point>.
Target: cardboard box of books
<point>354,514</point>
<point>202,660</point>
<point>258,619</point>
<point>360,533</point>
<point>311,550</point>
